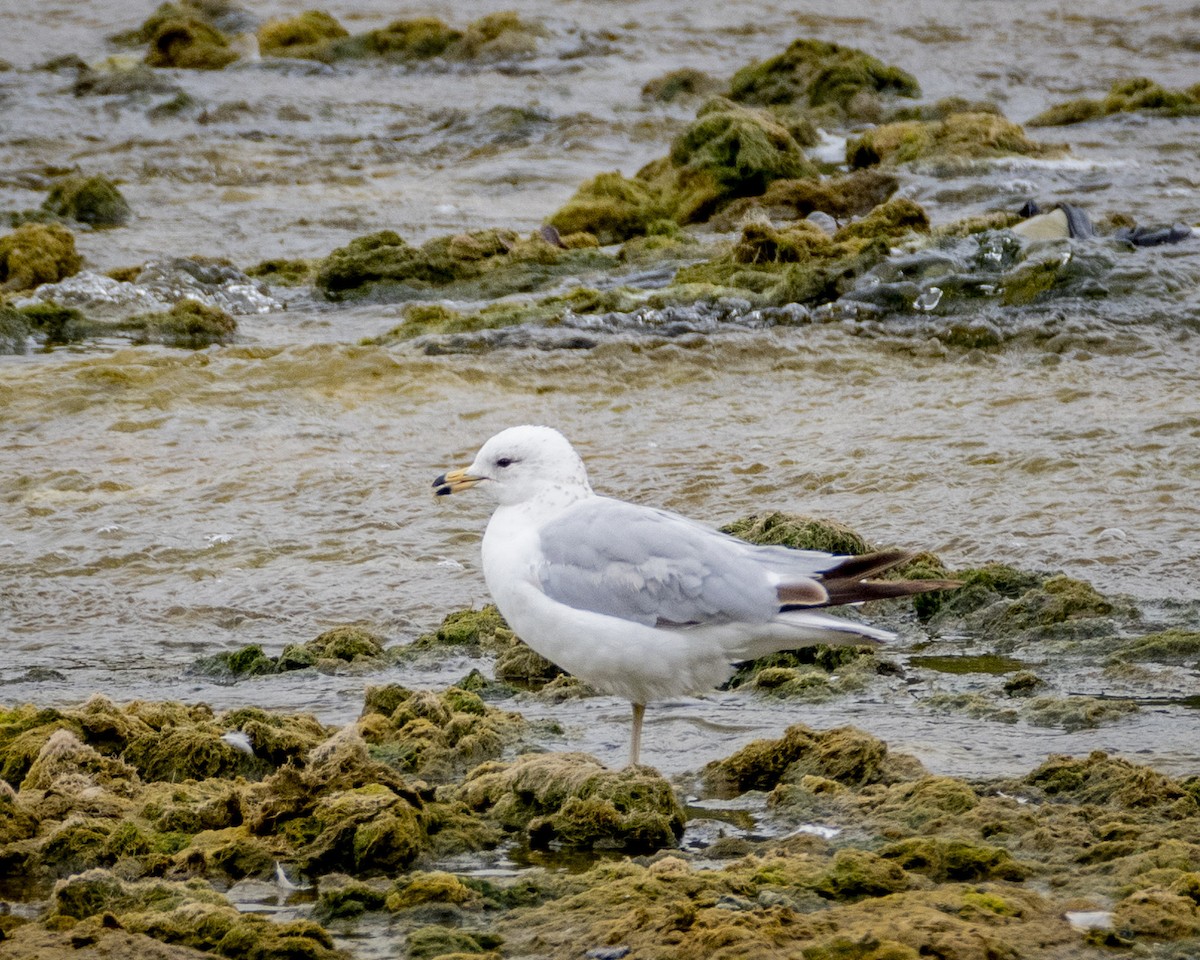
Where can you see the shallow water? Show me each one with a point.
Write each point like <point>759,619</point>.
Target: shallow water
<point>157,505</point>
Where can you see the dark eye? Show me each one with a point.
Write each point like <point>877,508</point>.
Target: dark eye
<point>504,462</point>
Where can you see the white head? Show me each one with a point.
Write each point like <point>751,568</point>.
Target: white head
<point>522,463</point>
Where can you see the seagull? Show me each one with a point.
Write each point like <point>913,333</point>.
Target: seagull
<point>642,603</point>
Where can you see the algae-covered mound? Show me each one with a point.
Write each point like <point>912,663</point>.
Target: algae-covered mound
<point>686,82</point>
<point>306,35</point>
<point>191,915</point>
<point>571,799</point>
<point>341,649</point>
<point>315,35</point>
<point>189,44</point>
<point>845,755</point>
<point>1009,604</point>
<point>435,735</point>
<point>1137,94</point>
<point>188,323</point>
<point>484,633</point>
<point>48,321</point>
<point>838,79</point>
<point>728,151</point>
<point>799,532</point>
<point>92,200</point>
<point>842,197</point>
<point>37,253</point>
<point>481,264</point>
<point>799,263</point>
<point>962,136</point>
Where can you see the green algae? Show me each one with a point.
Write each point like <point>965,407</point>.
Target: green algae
<point>503,35</point>
<point>952,860</point>
<point>435,736</point>
<point>191,915</point>
<point>964,136</point>
<point>189,44</point>
<point>306,35</point>
<point>94,200</point>
<point>840,81</point>
<point>284,272</point>
<point>1166,646</point>
<point>844,754</point>
<point>677,84</point>
<point>728,151</point>
<point>795,264</point>
<point>570,799</point>
<point>37,253</point>
<point>481,264</point>
<point>336,650</point>
<point>52,323</point>
<point>483,631</point>
<point>842,197</point>
<point>403,41</point>
<point>989,663</point>
<point>189,324</point>
<point>1137,94</point>
<point>430,942</point>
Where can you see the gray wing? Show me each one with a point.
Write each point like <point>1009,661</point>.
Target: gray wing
<point>655,567</point>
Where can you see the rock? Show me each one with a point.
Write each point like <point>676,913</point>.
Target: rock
<point>570,799</point>
<point>816,74</point>
<point>36,254</point>
<point>92,200</point>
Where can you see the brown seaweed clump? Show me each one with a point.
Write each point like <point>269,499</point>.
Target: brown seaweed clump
<point>37,253</point>
<point>961,136</point>
<point>1137,94</point>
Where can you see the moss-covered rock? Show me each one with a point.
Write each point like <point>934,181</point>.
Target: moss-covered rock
<point>1166,646</point>
<point>189,324</point>
<point>844,754</point>
<point>504,35</point>
<point>728,151</point>
<point>1101,779</point>
<point>403,41</point>
<point>189,44</point>
<point>435,735</point>
<point>37,253</point>
<point>92,200</point>
<point>677,84</point>
<point>478,264</point>
<point>1137,94</point>
<point>307,35</point>
<point>964,136</point>
<point>841,80</point>
<point>571,800</point>
<point>945,860</point>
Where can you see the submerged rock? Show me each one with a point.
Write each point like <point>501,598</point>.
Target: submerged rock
<point>474,265</point>
<point>188,323</point>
